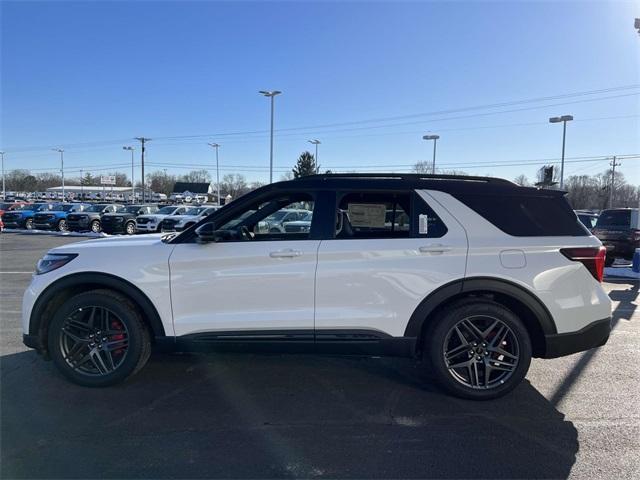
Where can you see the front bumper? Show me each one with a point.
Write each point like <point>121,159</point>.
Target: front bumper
<point>78,225</point>
<point>48,225</point>
<point>147,227</point>
<point>593,335</point>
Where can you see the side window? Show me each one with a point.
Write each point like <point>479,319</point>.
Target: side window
<point>283,217</point>
<point>426,223</point>
<point>373,215</point>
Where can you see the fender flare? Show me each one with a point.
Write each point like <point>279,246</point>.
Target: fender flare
<point>479,284</point>
<point>102,280</point>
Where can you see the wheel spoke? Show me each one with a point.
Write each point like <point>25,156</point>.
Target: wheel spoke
<point>92,317</point>
<point>73,337</point>
<point>98,361</point>
<point>472,329</point>
<point>117,344</point>
<point>456,351</point>
<point>488,330</point>
<point>73,352</point>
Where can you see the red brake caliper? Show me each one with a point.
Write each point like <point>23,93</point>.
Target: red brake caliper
<point>116,325</point>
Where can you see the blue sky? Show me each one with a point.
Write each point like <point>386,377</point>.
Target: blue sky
<point>89,76</point>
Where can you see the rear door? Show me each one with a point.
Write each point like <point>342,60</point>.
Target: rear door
<point>390,250</point>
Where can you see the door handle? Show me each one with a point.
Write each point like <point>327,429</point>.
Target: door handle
<point>434,248</point>
<point>288,253</point>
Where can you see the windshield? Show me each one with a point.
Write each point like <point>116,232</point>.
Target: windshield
<point>194,211</point>
<point>95,208</point>
<point>166,210</point>
<point>65,207</point>
<point>42,207</point>
<point>614,218</point>
<point>276,217</point>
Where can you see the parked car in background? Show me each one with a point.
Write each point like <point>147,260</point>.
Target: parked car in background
<point>587,218</point>
<point>298,226</point>
<point>177,223</point>
<point>275,223</point>
<point>619,231</point>
<point>90,218</point>
<point>56,218</point>
<point>22,217</point>
<point>152,223</point>
<point>124,219</point>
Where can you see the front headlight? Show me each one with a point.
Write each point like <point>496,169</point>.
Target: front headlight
<point>53,261</point>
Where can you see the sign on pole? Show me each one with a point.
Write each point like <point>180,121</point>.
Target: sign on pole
<point>108,180</point>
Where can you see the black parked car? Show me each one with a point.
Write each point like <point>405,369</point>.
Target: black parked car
<point>124,220</point>
<point>619,231</point>
<point>90,219</point>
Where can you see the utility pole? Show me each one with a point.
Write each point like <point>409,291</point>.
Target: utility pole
<point>271,94</point>
<point>61,152</point>
<point>81,185</point>
<point>216,146</point>
<point>613,164</point>
<point>4,193</point>
<point>142,141</point>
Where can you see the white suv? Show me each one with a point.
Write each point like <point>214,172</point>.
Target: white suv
<point>474,275</point>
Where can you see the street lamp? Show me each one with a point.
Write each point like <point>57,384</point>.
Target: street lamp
<point>271,94</point>
<point>4,193</point>
<point>61,152</point>
<point>133,188</point>
<point>564,119</point>
<point>435,140</point>
<point>315,142</point>
<point>216,146</point>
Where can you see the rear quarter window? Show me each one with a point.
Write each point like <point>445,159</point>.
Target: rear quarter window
<point>527,216</point>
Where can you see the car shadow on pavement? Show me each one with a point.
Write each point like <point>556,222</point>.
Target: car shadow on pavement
<point>272,416</point>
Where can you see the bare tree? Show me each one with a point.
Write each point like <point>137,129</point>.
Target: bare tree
<point>233,184</point>
<point>522,180</point>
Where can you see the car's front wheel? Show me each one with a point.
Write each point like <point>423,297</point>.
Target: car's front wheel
<point>478,349</point>
<point>62,225</point>
<point>95,226</point>
<point>28,224</point>
<point>98,338</point>
<point>130,228</point>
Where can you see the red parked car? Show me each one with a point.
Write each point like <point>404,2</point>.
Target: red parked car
<point>8,206</point>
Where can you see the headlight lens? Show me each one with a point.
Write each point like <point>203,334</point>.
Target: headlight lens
<point>53,261</point>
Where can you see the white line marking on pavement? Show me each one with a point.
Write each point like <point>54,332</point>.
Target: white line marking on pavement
<point>17,273</point>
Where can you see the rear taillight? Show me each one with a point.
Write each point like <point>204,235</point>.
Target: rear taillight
<point>590,257</point>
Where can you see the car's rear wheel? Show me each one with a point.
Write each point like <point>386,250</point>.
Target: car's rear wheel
<point>478,349</point>
<point>62,225</point>
<point>130,228</point>
<point>95,226</point>
<point>28,224</point>
<point>98,339</point>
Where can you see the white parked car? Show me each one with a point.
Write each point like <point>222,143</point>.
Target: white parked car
<point>177,223</point>
<point>151,223</point>
<point>482,277</point>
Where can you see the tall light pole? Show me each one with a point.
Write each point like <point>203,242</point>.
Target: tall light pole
<point>142,141</point>
<point>61,152</point>
<point>271,94</point>
<point>133,185</point>
<point>216,146</point>
<point>316,142</point>
<point>435,140</point>
<point>613,164</point>
<point>564,119</point>
<point>4,193</point>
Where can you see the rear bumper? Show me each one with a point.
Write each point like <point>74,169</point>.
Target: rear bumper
<point>593,335</point>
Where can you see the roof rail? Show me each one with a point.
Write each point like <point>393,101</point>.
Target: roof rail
<point>409,176</point>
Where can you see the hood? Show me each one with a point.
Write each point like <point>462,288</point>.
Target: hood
<point>155,216</point>
<point>135,241</point>
<point>185,217</point>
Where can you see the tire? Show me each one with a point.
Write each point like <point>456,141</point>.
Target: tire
<point>62,225</point>
<point>28,224</point>
<point>470,379</point>
<point>608,261</point>
<point>130,228</point>
<point>95,226</point>
<point>128,346</point>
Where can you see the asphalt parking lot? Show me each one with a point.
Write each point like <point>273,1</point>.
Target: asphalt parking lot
<point>268,416</point>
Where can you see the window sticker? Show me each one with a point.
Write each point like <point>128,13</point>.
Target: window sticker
<point>369,215</point>
<point>423,225</point>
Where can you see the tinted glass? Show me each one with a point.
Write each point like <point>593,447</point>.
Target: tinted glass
<point>527,216</point>
<point>166,210</point>
<point>373,215</point>
<point>588,221</point>
<point>95,208</point>
<point>614,218</point>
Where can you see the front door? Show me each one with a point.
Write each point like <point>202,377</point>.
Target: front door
<point>252,284</point>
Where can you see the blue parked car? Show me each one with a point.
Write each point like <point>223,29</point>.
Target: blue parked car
<point>23,218</point>
<point>56,218</point>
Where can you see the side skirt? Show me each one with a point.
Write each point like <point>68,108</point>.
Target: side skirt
<point>336,342</point>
